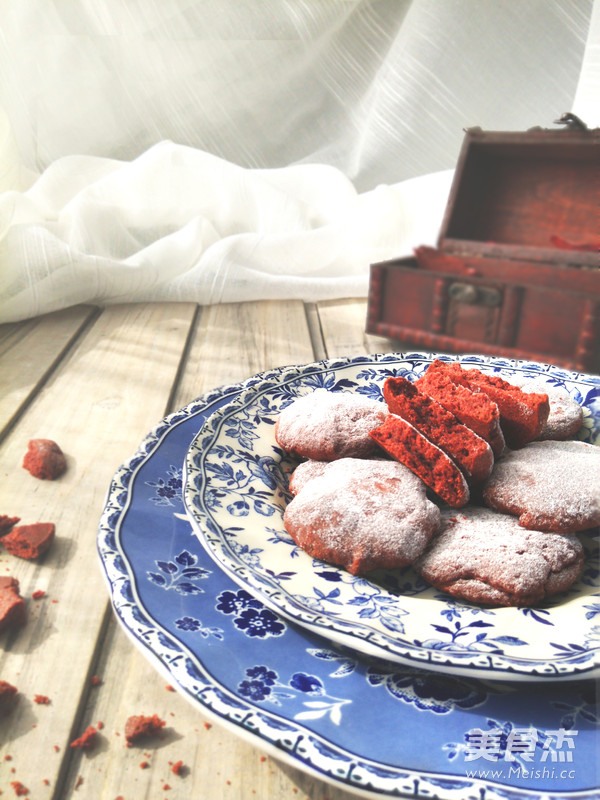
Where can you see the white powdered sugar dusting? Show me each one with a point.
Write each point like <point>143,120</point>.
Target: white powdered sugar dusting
<point>325,425</point>
<point>482,554</point>
<point>362,514</point>
<point>553,485</point>
<point>566,415</point>
<point>306,471</point>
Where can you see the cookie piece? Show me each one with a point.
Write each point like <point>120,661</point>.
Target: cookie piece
<point>12,606</point>
<point>29,541</point>
<point>362,514</point>
<point>403,442</point>
<point>44,459</point>
<point>485,557</point>
<point>565,417</point>
<point>7,523</point>
<point>328,425</point>
<point>471,453</point>
<point>143,727</point>
<point>550,486</point>
<point>8,697</point>
<point>473,408</point>
<point>522,414</point>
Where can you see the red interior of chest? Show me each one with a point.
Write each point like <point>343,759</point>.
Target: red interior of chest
<point>533,193</point>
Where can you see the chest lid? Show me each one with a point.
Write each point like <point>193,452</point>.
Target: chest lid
<point>531,195</point>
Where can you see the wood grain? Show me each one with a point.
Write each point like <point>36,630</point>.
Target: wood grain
<point>108,391</point>
<point>99,389</point>
<point>343,329</point>
<point>234,341</point>
<point>29,351</point>
<point>228,343</point>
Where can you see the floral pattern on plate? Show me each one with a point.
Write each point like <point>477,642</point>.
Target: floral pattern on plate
<point>355,721</point>
<point>235,492</point>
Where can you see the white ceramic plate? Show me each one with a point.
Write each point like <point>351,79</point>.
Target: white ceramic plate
<point>235,492</point>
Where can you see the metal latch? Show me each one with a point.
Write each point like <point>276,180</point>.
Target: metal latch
<point>475,295</point>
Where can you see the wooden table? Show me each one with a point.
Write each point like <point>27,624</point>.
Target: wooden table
<point>96,381</point>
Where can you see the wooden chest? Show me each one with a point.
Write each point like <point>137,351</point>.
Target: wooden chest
<point>516,272</point>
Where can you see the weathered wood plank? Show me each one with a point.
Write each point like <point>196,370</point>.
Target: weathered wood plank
<point>342,324</point>
<point>29,351</point>
<point>229,343</point>
<point>105,395</point>
<point>235,341</point>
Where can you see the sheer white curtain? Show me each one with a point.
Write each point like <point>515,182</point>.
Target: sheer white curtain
<point>234,149</point>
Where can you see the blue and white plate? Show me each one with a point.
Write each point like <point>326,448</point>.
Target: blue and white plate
<point>365,725</point>
<point>235,492</point>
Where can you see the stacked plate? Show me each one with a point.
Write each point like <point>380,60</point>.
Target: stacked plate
<point>382,686</point>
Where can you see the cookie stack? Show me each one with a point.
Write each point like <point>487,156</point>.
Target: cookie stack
<point>474,481</point>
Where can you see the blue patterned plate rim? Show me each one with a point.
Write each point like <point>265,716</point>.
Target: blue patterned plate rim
<point>235,490</point>
<point>155,569</point>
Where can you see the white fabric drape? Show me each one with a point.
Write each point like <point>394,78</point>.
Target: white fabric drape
<point>223,150</point>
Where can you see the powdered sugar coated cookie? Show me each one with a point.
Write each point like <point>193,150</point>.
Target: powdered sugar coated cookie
<point>327,425</point>
<point>551,486</point>
<point>362,515</point>
<point>483,556</point>
<point>566,415</point>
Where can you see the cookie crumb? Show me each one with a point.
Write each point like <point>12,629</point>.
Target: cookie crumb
<point>13,613</point>
<point>41,699</point>
<point>44,459</point>
<point>87,738</point>
<point>138,727</point>
<point>8,697</point>
<point>7,523</point>
<point>29,541</point>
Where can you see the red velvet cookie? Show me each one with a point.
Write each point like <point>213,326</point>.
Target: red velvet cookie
<point>485,557</point>
<point>522,414</point>
<point>403,442</point>
<point>550,486</point>
<point>565,417</point>
<point>328,425</point>
<point>473,408</point>
<point>471,453</point>
<point>362,514</point>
